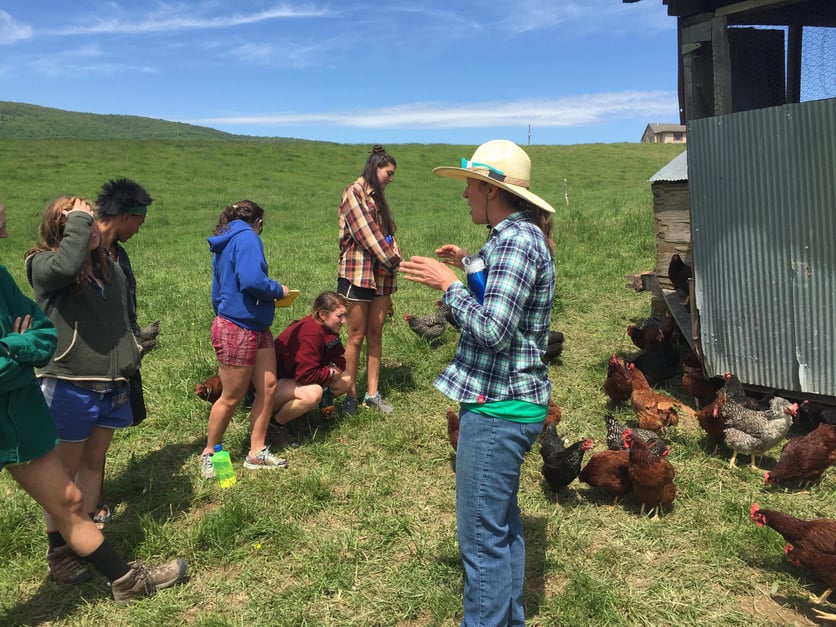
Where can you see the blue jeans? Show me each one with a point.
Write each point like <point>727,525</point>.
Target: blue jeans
<point>488,459</point>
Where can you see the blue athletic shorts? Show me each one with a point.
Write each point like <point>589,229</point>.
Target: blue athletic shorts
<point>76,410</point>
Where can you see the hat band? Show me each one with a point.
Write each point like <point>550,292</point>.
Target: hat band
<point>501,178</point>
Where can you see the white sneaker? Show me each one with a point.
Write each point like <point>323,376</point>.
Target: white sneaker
<point>265,460</point>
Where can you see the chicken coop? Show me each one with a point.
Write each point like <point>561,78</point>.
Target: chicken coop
<point>672,222</point>
<point>757,93</point>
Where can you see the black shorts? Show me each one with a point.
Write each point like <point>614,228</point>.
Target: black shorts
<point>354,293</point>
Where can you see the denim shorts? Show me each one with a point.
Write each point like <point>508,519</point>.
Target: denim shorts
<point>237,346</point>
<point>76,410</point>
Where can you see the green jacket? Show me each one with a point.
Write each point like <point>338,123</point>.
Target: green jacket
<point>20,353</point>
<point>95,341</point>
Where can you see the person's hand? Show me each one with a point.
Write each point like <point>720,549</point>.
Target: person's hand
<point>428,271</point>
<point>451,255</point>
<point>79,204</point>
<point>21,324</point>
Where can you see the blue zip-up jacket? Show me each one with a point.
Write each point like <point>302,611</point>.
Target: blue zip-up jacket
<point>241,290</point>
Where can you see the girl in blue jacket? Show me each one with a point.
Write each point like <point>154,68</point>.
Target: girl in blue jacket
<point>243,297</point>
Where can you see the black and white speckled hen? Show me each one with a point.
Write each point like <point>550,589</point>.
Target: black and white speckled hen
<point>753,432</point>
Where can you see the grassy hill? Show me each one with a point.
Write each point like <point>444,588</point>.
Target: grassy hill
<point>25,121</point>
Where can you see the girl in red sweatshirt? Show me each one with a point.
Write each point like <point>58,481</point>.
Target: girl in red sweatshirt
<point>309,359</point>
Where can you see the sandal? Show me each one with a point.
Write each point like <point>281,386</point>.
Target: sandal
<point>102,515</point>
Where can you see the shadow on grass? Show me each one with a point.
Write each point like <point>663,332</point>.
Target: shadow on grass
<point>53,601</point>
<point>536,539</point>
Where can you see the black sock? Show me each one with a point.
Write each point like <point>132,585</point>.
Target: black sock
<point>55,540</point>
<point>108,562</point>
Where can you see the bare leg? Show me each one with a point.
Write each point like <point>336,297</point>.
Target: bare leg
<point>46,480</point>
<point>356,324</point>
<point>68,455</point>
<point>88,477</point>
<point>264,380</point>
<point>235,380</point>
<point>293,400</point>
<point>374,340</point>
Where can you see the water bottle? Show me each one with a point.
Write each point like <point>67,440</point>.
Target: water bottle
<point>224,472</point>
<point>477,275</point>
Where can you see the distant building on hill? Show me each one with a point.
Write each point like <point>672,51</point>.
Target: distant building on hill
<point>664,134</point>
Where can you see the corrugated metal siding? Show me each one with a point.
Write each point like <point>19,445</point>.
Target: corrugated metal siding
<point>763,199</point>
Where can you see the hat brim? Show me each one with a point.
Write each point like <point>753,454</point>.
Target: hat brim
<point>462,173</point>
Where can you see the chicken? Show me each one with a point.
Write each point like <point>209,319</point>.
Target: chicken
<point>751,431</point>
<point>608,470</point>
<point>658,365</point>
<point>554,348</point>
<point>816,534</point>
<point>654,410</point>
<point>561,464</point>
<point>648,335</point>
<point>811,415</point>
<point>617,385</point>
<point>553,417</point>
<point>734,390</point>
<point>147,337</point>
<point>430,326</point>
<point>650,475</point>
<point>448,314</point>
<point>615,435</point>
<point>696,384</point>
<point>453,428</point>
<point>209,390</point>
<point>822,565</point>
<point>679,272</point>
<point>711,421</point>
<point>806,457</point>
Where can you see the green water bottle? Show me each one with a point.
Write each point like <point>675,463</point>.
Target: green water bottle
<point>224,472</point>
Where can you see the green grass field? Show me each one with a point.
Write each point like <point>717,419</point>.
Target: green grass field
<point>360,530</point>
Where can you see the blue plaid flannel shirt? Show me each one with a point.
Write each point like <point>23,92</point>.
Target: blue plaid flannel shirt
<point>498,355</point>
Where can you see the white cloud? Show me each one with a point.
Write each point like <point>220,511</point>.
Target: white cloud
<point>179,18</point>
<point>10,31</point>
<point>582,110</point>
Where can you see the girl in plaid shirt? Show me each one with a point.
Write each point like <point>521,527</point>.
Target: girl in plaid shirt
<point>369,259</point>
<point>496,375</point>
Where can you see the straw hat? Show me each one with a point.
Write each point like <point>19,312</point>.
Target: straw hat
<point>502,163</point>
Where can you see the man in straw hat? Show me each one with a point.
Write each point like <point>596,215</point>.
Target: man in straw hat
<point>496,375</point>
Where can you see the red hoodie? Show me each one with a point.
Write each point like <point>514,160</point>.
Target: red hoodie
<point>305,349</point>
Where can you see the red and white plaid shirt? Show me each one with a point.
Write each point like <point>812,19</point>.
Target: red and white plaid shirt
<point>366,258</point>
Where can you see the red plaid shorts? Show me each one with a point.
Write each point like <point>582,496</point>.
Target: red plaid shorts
<point>236,346</point>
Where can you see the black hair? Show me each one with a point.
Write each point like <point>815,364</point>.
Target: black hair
<point>120,196</point>
<point>379,158</point>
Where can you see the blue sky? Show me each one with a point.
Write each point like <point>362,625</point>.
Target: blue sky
<point>424,71</point>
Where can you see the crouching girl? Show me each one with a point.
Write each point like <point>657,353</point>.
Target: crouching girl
<point>309,359</point>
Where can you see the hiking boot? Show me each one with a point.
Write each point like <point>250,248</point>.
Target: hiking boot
<point>141,581</point>
<point>65,566</point>
<point>377,402</point>
<point>207,470</point>
<point>350,405</point>
<point>265,460</point>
